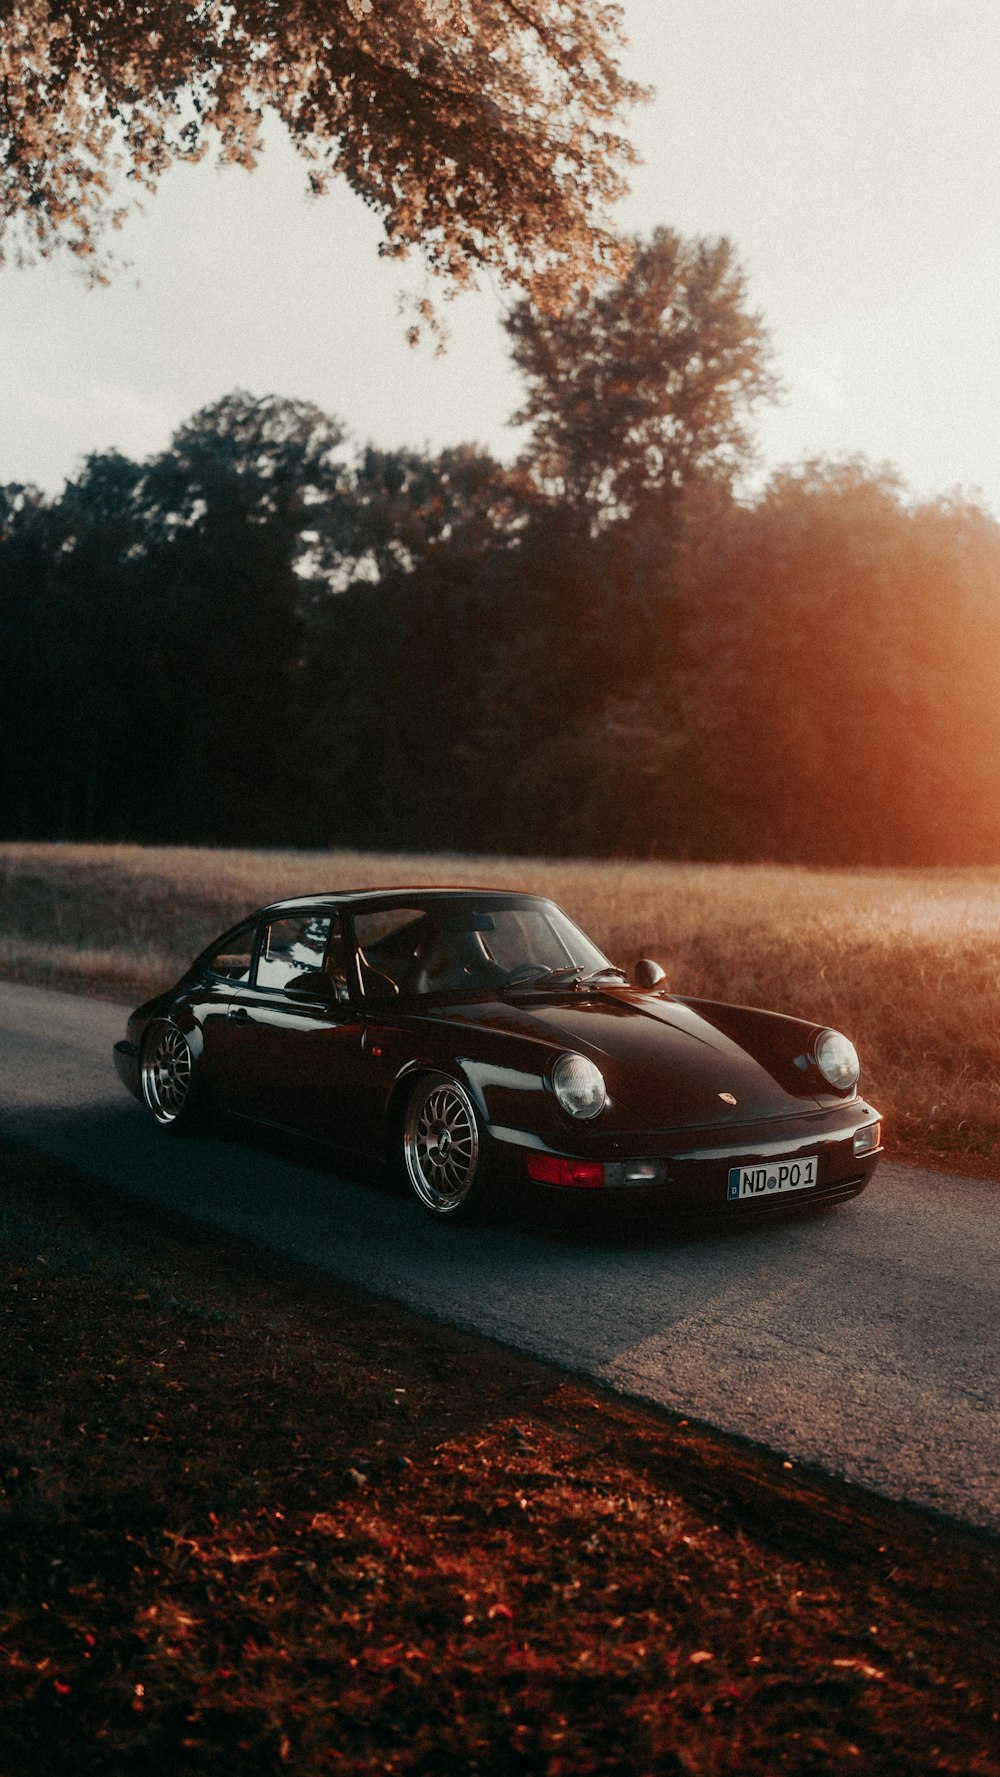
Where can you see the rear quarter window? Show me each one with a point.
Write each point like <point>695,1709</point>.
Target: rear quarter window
<point>233,959</point>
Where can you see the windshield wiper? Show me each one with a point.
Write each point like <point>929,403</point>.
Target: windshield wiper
<point>574,972</point>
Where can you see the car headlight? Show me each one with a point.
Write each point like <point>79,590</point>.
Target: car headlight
<point>837,1060</point>
<point>579,1086</point>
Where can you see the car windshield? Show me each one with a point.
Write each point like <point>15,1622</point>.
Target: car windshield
<point>473,947</point>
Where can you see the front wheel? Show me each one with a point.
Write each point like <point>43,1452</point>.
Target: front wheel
<point>168,1079</point>
<point>442,1152</point>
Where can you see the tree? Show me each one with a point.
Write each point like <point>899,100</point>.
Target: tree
<point>645,382</point>
<point>840,679</point>
<point>395,643</point>
<point>402,507</point>
<point>26,551</point>
<point>268,461</point>
<point>75,664</point>
<point>486,132</point>
<point>235,509</point>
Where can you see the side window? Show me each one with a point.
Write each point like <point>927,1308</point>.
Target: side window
<point>390,945</point>
<point>234,959</point>
<point>290,944</point>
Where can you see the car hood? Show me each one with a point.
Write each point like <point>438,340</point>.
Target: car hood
<point>664,1063</point>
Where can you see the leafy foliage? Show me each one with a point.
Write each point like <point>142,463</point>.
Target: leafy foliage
<point>484,132</point>
<point>405,507</point>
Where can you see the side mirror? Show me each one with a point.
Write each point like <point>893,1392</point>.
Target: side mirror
<point>648,974</point>
<point>312,984</point>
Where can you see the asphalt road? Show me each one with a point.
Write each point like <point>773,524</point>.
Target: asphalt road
<point>864,1341</point>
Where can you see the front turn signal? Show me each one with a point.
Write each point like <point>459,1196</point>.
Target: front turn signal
<point>866,1140</point>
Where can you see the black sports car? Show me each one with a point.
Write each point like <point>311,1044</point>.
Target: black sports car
<point>478,1038</point>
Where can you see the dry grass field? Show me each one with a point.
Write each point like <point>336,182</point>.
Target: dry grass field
<point>907,962</point>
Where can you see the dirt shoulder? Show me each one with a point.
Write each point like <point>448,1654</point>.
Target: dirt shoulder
<point>255,1521</point>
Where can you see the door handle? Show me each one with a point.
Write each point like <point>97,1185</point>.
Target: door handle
<point>239,1015</point>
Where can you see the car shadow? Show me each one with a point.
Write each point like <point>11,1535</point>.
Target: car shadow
<point>118,1141</point>
<point>555,1278</point>
<point>571,1218</point>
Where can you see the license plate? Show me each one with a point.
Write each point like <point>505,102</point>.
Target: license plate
<point>777,1175</point>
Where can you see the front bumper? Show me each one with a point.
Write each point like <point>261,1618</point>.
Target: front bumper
<point>694,1165</point>
<point>127,1066</point>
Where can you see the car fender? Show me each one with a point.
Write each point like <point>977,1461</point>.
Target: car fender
<point>184,1020</point>
<point>512,1088</point>
<point>419,1065</point>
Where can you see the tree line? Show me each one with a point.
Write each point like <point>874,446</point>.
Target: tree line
<point>268,635</point>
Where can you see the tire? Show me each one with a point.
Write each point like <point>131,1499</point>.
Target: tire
<point>168,1078</point>
<point>443,1159</point>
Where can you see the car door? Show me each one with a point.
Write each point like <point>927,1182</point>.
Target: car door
<point>225,975</point>
<point>300,1050</point>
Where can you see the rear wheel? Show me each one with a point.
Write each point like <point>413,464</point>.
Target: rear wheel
<point>168,1077</point>
<point>442,1153</point>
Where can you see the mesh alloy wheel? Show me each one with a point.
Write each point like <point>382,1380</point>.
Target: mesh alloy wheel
<point>441,1145</point>
<point>167,1074</point>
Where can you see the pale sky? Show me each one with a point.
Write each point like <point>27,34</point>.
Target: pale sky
<point>850,149</point>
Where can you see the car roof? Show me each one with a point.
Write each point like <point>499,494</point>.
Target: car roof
<point>407,894</point>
